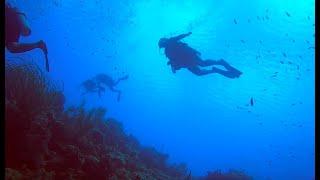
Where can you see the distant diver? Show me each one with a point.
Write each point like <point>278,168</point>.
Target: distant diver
<point>16,25</point>
<point>97,83</point>
<point>109,82</point>
<point>181,55</point>
<point>91,86</point>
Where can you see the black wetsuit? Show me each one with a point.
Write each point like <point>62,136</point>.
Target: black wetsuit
<point>12,24</point>
<point>180,54</point>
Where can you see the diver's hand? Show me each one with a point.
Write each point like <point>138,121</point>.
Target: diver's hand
<point>42,45</point>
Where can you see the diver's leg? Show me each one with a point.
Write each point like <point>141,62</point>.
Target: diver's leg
<point>231,71</point>
<point>117,91</point>
<point>200,72</point>
<point>16,47</point>
<point>208,62</point>
<point>228,73</point>
<point>230,68</point>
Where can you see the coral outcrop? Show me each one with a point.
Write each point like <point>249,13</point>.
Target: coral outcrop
<point>45,141</point>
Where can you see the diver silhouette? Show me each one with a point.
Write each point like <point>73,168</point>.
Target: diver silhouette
<point>16,25</point>
<point>181,55</point>
<point>92,86</point>
<point>97,83</point>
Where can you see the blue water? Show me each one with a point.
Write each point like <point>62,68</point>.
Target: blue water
<point>206,121</point>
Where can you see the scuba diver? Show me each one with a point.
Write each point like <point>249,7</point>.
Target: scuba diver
<point>96,84</point>
<point>181,55</point>
<point>16,25</point>
<point>92,86</point>
<point>109,82</point>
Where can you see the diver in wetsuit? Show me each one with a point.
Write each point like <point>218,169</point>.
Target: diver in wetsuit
<point>16,25</point>
<point>109,82</point>
<point>181,55</point>
<point>92,86</point>
<point>100,81</point>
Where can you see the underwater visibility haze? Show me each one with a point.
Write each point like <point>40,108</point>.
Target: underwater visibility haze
<point>259,120</point>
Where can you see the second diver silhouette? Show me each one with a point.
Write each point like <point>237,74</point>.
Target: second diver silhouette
<point>97,83</point>
<point>181,55</point>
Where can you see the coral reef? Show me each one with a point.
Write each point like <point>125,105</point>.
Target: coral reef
<point>46,141</point>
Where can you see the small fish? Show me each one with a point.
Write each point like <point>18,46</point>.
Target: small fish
<point>281,62</point>
<point>267,17</point>
<point>309,17</point>
<point>235,21</point>
<point>298,67</point>
<point>258,17</point>
<point>263,18</point>
<point>311,47</point>
<point>288,14</point>
<point>251,101</point>
<point>308,41</point>
<point>284,54</point>
<point>289,62</point>
<point>300,56</point>
<point>249,21</point>
<point>293,40</point>
<point>260,41</point>
<point>242,41</point>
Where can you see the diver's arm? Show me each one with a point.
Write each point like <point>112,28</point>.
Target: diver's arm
<point>177,38</point>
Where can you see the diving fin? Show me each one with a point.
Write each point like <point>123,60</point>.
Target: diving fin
<point>235,71</point>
